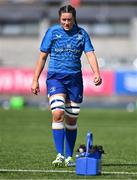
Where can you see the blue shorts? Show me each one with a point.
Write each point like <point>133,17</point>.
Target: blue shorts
<point>71,85</point>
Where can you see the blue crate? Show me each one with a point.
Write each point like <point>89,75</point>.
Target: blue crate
<point>89,163</point>
<point>88,166</point>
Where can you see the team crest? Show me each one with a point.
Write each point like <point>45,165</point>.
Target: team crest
<point>52,89</point>
<point>79,37</point>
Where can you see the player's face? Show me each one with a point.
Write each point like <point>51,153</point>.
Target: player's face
<point>67,21</point>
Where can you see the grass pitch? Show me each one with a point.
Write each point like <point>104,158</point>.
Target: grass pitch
<point>27,150</point>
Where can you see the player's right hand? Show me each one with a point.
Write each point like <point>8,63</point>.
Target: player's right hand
<point>35,87</point>
<point>97,81</point>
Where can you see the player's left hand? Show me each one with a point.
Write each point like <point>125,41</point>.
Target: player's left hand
<point>97,80</point>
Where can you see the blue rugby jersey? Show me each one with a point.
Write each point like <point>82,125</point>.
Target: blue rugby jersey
<point>65,48</point>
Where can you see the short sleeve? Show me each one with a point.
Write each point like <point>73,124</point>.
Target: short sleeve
<point>46,42</point>
<point>87,44</point>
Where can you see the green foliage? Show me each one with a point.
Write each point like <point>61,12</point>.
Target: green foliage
<point>26,142</point>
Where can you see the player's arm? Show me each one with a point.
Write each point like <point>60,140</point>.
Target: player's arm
<point>95,68</point>
<point>39,67</point>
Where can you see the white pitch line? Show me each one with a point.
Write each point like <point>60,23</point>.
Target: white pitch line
<point>36,170</point>
<point>120,173</point>
<point>62,171</point>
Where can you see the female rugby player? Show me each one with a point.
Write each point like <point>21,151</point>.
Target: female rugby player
<point>65,43</point>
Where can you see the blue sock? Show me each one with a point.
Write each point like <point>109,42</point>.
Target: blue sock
<point>58,136</point>
<point>71,136</point>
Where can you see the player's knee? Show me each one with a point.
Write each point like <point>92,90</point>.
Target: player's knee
<point>72,109</point>
<point>58,115</point>
<point>70,120</point>
<point>57,106</point>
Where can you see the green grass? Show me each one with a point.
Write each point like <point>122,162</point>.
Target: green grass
<point>26,142</point>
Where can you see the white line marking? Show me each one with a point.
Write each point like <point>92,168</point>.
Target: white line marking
<point>36,170</point>
<point>124,173</point>
<point>62,171</point>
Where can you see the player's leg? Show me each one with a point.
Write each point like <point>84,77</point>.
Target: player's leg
<point>71,114</point>
<point>72,108</point>
<point>57,105</point>
<point>56,94</point>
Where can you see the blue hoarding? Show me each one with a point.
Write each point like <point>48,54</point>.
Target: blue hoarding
<point>126,82</point>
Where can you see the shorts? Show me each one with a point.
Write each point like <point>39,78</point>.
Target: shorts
<point>71,85</point>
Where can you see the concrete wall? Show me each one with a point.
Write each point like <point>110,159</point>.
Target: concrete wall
<point>23,51</point>
<point>18,51</point>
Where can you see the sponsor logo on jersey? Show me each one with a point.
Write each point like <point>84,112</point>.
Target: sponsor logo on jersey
<point>67,50</point>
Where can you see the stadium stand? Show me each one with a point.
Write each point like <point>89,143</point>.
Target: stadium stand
<point>22,24</point>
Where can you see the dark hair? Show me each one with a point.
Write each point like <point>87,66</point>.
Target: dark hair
<point>68,9</point>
